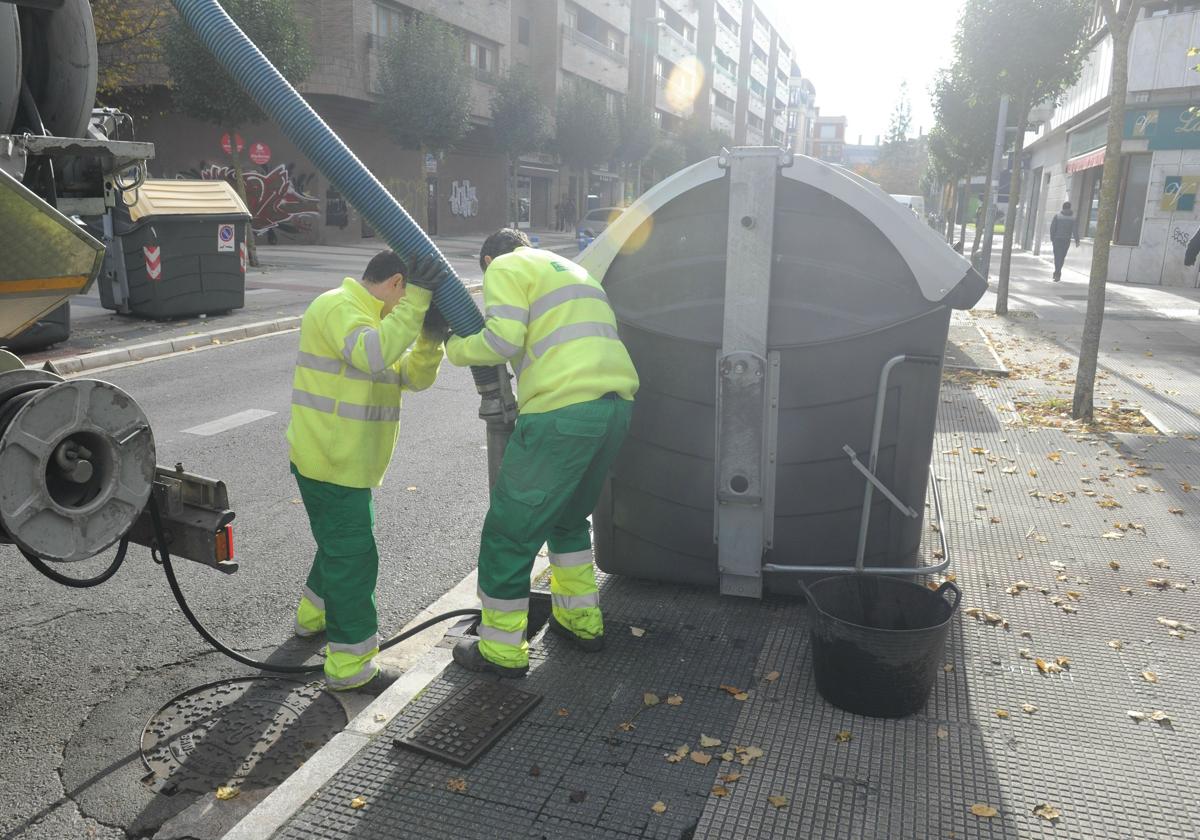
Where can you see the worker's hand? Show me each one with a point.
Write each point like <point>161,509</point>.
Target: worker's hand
<point>428,273</point>
<point>435,327</point>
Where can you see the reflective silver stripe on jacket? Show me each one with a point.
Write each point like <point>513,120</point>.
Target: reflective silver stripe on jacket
<point>576,602</point>
<point>313,401</point>
<point>365,673</point>
<point>387,376</point>
<point>319,603</point>
<point>351,340</point>
<point>492,634</point>
<point>548,301</point>
<point>505,348</point>
<point>358,648</point>
<point>319,363</point>
<point>503,604</point>
<point>353,411</point>
<point>571,558</point>
<point>372,345</point>
<point>587,329</point>
<point>512,313</point>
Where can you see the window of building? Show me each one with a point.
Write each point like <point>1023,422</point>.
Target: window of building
<point>793,120</point>
<point>1163,7</point>
<point>1089,204</point>
<point>758,53</point>
<point>755,122</point>
<point>722,102</point>
<point>612,101</point>
<point>1135,184</point>
<point>760,19</point>
<point>616,41</point>
<point>757,88</point>
<point>662,69</point>
<point>827,131</point>
<point>677,24</point>
<point>724,61</point>
<point>481,57</point>
<point>523,31</point>
<point>388,22</point>
<point>727,20</point>
<point>781,78</point>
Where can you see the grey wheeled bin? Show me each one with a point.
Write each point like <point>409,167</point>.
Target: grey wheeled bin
<point>788,321</point>
<point>178,250</point>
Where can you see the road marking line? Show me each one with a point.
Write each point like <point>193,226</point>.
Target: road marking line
<point>224,424</point>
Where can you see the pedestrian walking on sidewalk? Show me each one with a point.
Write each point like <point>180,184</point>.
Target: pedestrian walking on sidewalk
<point>575,383</point>
<point>1193,249</point>
<point>353,364</point>
<point>559,213</point>
<point>1063,228</point>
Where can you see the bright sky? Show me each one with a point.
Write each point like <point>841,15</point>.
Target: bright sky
<point>858,53</point>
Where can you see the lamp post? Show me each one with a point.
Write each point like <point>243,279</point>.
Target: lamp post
<point>648,55</point>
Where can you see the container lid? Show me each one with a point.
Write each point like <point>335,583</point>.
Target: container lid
<point>942,275</point>
<point>175,197</point>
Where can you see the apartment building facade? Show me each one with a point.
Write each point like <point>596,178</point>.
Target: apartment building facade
<point>802,112</point>
<point>589,43</point>
<point>1157,210</point>
<point>829,139</point>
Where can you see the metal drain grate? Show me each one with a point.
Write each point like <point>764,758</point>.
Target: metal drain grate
<point>466,724</point>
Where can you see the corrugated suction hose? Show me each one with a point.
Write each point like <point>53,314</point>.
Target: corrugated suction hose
<point>301,124</point>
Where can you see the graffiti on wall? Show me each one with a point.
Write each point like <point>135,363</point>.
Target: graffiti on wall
<point>275,197</point>
<point>463,201</point>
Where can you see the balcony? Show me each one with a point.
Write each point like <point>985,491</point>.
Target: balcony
<point>1158,56</point>
<point>686,9</point>
<point>779,120</point>
<point>754,136</point>
<point>724,81</point>
<point>758,72</point>
<point>673,46</point>
<point>722,121</point>
<point>762,37</point>
<point>588,58</point>
<point>757,105</point>
<point>676,96</point>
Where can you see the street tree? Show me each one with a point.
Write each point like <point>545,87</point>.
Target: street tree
<point>964,131</point>
<point>519,123</point>
<point>902,161</point>
<point>1030,51</point>
<point>201,88</point>
<point>701,141</point>
<point>128,43</point>
<point>425,87</point>
<point>900,123</point>
<point>636,136</point>
<point>586,133</point>
<point>667,157</point>
<point>1120,27</point>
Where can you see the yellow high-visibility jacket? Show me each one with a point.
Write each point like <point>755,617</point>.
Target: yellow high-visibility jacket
<point>552,320</point>
<point>353,366</point>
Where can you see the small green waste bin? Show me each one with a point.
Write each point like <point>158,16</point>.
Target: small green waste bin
<point>178,250</point>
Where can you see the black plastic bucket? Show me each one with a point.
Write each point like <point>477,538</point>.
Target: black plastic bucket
<point>878,642</point>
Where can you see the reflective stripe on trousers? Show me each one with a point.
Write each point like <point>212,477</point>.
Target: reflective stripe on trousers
<point>350,665</point>
<point>574,598</point>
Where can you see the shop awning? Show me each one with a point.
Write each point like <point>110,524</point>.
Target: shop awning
<point>1082,162</point>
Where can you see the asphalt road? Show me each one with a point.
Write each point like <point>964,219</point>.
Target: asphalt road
<point>85,668</point>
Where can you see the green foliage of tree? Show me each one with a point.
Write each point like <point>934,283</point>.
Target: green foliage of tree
<point>519,122</point>
<point>701,141</point>
<point>201,88</point>
<point>667,157</point>
<point>901,120</point>
<point>1120,25</point>
<point>1031,51</point>
<point>636,133</point>
<point>961,142</point>
<point>128,42</point>
<point>586,133</point>
<point>425,86</point>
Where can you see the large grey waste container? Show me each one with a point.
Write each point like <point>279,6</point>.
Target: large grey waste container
<point>854,279</point>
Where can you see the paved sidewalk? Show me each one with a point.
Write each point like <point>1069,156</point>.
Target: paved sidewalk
<point>1069,700</point>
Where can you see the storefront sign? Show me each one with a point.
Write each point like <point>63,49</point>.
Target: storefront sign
<point>1169,128</point>
<point>1179,193</point>
<point>1087,139</point>
<point>260,153</point>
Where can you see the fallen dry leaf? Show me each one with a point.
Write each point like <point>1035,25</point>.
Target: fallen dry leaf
<point>577,796</point>
<point>1047,812</point>
<point>535,771</point>
<point>1116,644</point>
<point>358,802</point>
<point>772,676</point>
<point>226,792</point>
<point>638,631</point>
<point>562,712</point>
<point>947,668</point>
<point>1028,708</point>
<point>626,726</point>
<point>701,758</point>
<point>727,755</point>
<point>730,778</point>
<point>706,741</point>
<point>1176,511</point>
<point>984,811</point>
<point>1160,563</point>
<point>1002,714</point>
<point>720,790</point>
<point>778,801</point>
<point>1114,565</point>
<point>650,699</point>
<point>942,732</point>
<point>1150,676</point>
<point>843,736</point>
<point>659,807</point>
<point>457,785</point>
<point>675,700</point>
<point>741,695</point>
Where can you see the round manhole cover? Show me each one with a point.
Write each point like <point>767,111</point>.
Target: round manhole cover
<point>248,733</point>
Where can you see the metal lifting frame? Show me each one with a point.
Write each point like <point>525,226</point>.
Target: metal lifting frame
<point>747,407</point>
<point>873,482</point>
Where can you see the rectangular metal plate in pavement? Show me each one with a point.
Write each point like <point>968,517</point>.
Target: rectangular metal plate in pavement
<point>466,724</point>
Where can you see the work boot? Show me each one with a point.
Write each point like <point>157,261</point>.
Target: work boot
<point>468,655</point>
<point>1057,277</point>
<point>593,645</point>
<point>385,675</point>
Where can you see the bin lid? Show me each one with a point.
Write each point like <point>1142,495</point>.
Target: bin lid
<point>178,197</point>
<point>941,274</point>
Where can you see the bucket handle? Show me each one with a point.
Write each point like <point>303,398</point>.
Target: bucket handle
<point>954,592</point>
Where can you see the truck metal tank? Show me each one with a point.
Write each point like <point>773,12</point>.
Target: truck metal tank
<point>761,297</point>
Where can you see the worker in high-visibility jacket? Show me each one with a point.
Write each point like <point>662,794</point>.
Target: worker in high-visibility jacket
<point>575,386</point>
<point>353,365</point>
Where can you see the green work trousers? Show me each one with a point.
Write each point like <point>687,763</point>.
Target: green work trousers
<point>550,480</point>
<point>339,594</point>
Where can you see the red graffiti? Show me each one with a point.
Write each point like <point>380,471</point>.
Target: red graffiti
<point>272,197</point>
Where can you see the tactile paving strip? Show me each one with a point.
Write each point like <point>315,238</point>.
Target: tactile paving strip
<point>466,724</point>
<point>570,770</point>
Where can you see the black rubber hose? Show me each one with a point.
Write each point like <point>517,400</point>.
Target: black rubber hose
<point>204,632</point>
<point>80,583</point>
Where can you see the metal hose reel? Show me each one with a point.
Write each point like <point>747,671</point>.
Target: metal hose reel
<point>77,464</point>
